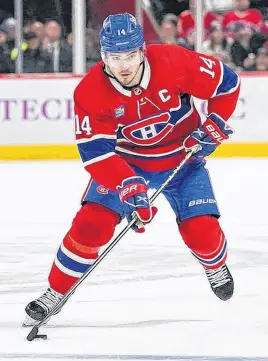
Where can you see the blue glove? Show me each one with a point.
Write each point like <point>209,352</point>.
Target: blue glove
<point>133,194</point>
<point>208,136</point>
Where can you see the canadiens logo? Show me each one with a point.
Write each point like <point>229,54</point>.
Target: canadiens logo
<point>149,131</point>
<point>102,190</point>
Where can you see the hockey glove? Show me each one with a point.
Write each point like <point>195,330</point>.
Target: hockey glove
<point>208,136</point>
<point>133,194</point>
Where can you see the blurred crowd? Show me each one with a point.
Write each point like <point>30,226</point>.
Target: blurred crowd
<point>45,49</point>
<point>234,32</point>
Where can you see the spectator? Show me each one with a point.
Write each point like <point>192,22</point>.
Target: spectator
<point>168,29</point>
<point>58,48</point>
<point>245,46</point>
<point>3,39</point>
<point>39,29</point>
<point>9,25</point>
<point>187,21</point>
<point>242,13</point>
<point>218,45</point>
<point>4,15</point>
<point>189,41</point>
<point>219,6</point>
<point>5,62</point>
<point>34,59</point>
<point>261,61</point>
<point>92,47</point>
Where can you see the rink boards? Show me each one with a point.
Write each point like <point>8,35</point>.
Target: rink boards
<point>36,118</point>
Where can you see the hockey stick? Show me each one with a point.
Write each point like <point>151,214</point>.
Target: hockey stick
<point>34,332</point>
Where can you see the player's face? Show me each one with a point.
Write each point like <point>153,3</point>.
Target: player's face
<point>125,66</point>
<point>242,5</point>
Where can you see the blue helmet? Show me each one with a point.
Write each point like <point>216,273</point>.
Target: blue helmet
<point>120,33</point>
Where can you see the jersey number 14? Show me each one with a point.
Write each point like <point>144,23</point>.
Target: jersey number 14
<point>82,127</point>
<point>209,66</point>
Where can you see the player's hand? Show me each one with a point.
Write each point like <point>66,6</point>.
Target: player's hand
<point>208,136</point>
<point>133,194</point>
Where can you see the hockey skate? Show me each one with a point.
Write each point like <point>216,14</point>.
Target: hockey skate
<point>221,282</point>
<point>38,309</point>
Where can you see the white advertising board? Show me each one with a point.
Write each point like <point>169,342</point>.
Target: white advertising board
<point>250,119</point>
<point>37,111</point>
<point>40,111</point>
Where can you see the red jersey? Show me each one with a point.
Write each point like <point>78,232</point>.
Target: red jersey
<point>186,22</point>
<point>146,126</point>
<point>251,17</point>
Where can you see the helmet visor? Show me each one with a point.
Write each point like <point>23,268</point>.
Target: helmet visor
<point>123,60</point>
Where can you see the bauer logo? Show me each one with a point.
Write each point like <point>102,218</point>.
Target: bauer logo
<point>120,111</point>
<point>102,190</point>
<point>198,202</point>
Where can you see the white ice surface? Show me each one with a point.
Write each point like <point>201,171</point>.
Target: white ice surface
<point>150,298</point>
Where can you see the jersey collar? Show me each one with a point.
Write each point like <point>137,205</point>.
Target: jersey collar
<point>143,84</point>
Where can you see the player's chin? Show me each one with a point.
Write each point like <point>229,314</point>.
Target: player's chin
<point>126,79</point>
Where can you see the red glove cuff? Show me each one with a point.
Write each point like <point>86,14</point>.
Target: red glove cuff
<point>131,190</point>
<point>145,216</point>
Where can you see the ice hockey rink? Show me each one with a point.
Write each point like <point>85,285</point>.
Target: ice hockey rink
<point>149,299</point>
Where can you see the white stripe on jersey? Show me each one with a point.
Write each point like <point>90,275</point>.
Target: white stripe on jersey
<point>98,159</point>
<point>149,155</point>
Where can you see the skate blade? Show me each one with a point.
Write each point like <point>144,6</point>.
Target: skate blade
<point>30,322</point>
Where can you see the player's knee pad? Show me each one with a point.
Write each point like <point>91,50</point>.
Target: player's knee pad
<point>93,225</point>
<point>202,234</point>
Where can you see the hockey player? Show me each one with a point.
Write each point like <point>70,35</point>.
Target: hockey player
<point>135,120</point>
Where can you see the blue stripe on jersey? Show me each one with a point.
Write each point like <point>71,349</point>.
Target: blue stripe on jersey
<point>215,260</point>
<point>70,263</point>
<point>229,80</point>
<point>96,148</point>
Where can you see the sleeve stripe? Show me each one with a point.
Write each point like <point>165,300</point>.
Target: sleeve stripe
<point>98,159</point>
<point>220,81</point>
<point>232,89</point>
<point>94,137</point>
<point>229,82</point>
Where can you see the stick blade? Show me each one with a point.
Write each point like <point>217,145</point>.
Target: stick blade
<point>33,334</point>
